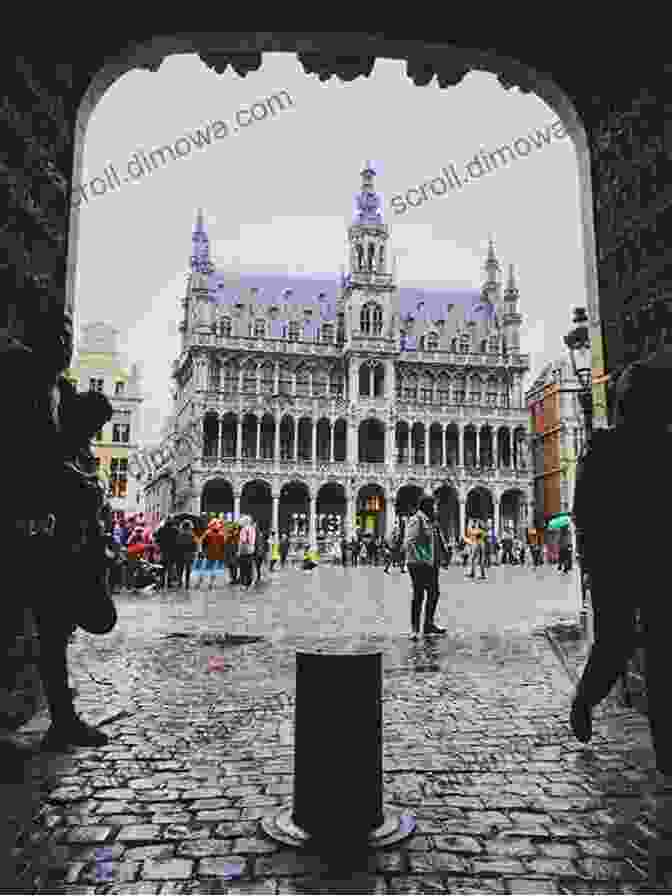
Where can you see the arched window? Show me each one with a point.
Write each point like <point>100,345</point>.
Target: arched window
<point>484,346</point>
<point>225,326</point>
<point>250,378</point>
<point>492,391</point>
<point>432,342</point>
<point>336,382</point>
<point>443,388</point>
<point>259,328</point>
<point>302,381</point>
<point>214,375</point>
<point>493,344</point>
<point>475,390</point>
<point>453,345</point>
<point>411,387</point>
<point>365,319</point>
<point>377,320</point>
<point>427,388</point>
<point>267,379</point>
<point>320,382</point>
<point>465,343</point>
<point>459,391</point>
<point>285,381</point>
<point>294,331</point>
<point>229,384</point>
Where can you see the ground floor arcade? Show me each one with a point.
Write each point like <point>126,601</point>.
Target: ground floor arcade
<point>332,509</point>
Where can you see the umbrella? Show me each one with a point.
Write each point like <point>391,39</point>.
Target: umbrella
<point>559,522</point>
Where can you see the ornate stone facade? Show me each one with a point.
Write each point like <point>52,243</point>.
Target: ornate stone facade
<point>302,400</point>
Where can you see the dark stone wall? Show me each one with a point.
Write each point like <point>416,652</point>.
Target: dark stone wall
<point>623,107</point>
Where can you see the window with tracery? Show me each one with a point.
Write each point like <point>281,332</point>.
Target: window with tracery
<point>432,342</point>
<point>320,382</point>
<point>336,381</point>
<point>427,389</point>
<point>250,379</point>
<point>214,375</point>
<point>302,381</point>
<point>443,388</point>
<point>293,331</point>
<point>267,379</point>
<point>411,389</point>
<point>493,345</point>
<point>327,333</point>
<point>229,384</point>
<point>371,319</point>
<point>465,344</point>
<point>259,329</point>
<point>285,380</point>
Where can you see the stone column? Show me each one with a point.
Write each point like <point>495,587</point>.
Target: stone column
<point>258,438</point>
<point>314,445</point>
<point>312,521</point>
<point>389,515</point>
<point>354,376</point>
<point>348,512</point>
<point>460,445</point>
<point>497,513</point>
<point>294,383</point>
<point>276,452</point>
<point>389,446</point>
<point>276,378</point>
<point>478,446</point>
<point>236,505</point>
<point>371,382</point>
<point>352,446</point>
<point>461,516</point>
<point>239,438</point>
<point>443,447</point>
<point>275,519</point>
<point>240,381</point>
<point>410,458</point>
<point>426,445</point>
<point>220,422</point>
<point>331,441</point>
<point>389,380</point>
<point>296,434</point>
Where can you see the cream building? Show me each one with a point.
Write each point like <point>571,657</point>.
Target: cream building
<point>321,404</point>
<point>98,365</point>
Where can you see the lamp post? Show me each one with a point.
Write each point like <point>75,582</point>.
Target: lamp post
<point>578,343</point>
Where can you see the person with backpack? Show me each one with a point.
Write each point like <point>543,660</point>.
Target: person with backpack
<point>275,551</point>
<point>421,554</point>
<point>284,549</point>
<point>622,586</point>
<point>213,544</point>
<point>246,549</point>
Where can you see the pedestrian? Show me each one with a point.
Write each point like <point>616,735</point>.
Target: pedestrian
<point>246,550</point>
<point>185,552</point>
<point>67,584</point>
<point>344,551</point>
<point>336,552</point>
<point>260,551</point>
<point>418,545</point>
<point>214,543</point>
<point>476,536</point>
<point>507,545</point>
<point>439,549</point>
<point>165,537</point>
<point>620,587</point>
<point>393,543</point>
<point>284,549</point>
<point>275,550</point>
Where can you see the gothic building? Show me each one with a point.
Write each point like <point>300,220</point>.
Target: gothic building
<point>321,405</point>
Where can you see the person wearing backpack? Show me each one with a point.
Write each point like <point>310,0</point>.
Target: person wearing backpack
<point>421,551</point>
<point>622,586</point>
<point>185,551</point>
<point>260,551</point>
<point>246,550</point>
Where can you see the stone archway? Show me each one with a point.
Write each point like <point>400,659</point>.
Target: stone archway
<point>371,509</point>
<point>217,497</point>
<point>256,500</point>
<point>449,510</point>
<point>512,511</point>
<point>479,506</point>
<point>331,508</point>
<point>294,509</point>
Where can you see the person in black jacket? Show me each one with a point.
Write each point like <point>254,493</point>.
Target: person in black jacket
<point>620,585</point>
<point>38,400</point>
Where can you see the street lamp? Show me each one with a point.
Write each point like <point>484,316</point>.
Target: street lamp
<point>578,343</point>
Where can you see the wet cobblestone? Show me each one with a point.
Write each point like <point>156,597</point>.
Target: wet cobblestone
<point>476,742</point>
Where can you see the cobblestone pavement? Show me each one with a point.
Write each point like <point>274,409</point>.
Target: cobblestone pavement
<point>476,745</point>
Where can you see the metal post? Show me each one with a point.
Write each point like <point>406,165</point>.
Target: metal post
<point>338,758</point>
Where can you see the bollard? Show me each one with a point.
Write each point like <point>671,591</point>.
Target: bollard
<point>338,757</point>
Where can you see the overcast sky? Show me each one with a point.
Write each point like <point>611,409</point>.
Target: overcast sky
<point>278,195</point>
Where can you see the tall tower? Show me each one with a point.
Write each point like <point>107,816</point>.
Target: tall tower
<point>511,317</point>
<point>491,291</point>
<point>196,303</point>
<point>369,294</point>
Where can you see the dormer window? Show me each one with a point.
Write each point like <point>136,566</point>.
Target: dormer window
<point>259,328</point>
<point>465,344</point>
<point>493,345</point>
<point>327,333</point>
<point>293,331</point>
<point>432,342</point>
<point>371,319</point>
<point>225,326</point>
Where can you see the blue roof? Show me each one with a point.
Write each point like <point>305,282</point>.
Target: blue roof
<point>455,306</point>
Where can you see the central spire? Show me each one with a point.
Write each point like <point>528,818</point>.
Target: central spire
<point>367,202</point>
